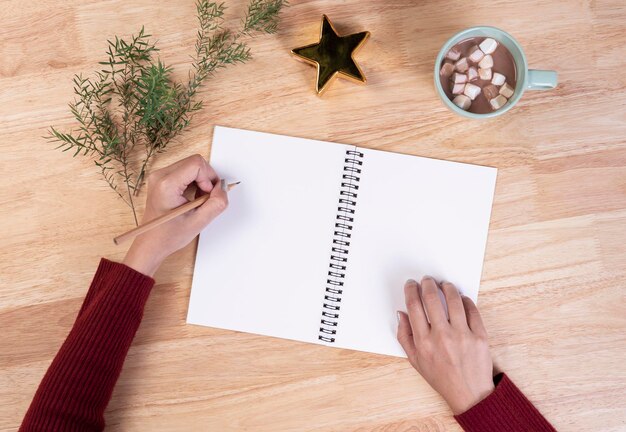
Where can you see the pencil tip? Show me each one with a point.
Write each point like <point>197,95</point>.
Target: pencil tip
<point>232,185</point>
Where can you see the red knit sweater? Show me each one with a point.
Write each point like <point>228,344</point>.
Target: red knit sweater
<point>78,384</point>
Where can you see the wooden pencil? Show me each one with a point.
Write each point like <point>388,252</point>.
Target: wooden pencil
<point>175,212</point>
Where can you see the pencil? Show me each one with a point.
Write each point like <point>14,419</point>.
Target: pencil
<point>165,217</point>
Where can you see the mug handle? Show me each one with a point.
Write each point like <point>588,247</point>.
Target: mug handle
<point>541,79</point>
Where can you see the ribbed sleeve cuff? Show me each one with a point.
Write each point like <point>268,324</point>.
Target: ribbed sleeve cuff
<point>120,275</point>
<point>505,409</point>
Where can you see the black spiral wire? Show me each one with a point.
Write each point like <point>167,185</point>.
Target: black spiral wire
<point>342,234</point>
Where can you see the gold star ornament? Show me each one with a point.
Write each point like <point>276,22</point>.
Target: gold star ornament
<point>333,55</point>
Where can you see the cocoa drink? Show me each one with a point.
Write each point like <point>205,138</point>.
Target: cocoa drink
<point>478,75</point>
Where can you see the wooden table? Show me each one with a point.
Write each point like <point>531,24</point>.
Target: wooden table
<point>553,284</point>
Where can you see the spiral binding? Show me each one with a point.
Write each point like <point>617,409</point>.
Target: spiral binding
<point>341,245</point>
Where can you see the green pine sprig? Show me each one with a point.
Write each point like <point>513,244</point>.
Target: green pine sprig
<point>131,109</point>
<point>263,16</point>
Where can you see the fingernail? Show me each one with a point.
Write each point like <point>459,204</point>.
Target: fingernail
<point>224,185</point>
<point>398,316</point>
<point>411,281</point>
<point>428,277</point>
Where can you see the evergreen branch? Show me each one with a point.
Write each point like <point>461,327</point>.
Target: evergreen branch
<point>109,177</point>
<point>263,16</point>
<point>133,99</point>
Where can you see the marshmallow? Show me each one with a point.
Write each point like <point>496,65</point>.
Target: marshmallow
<point>461,65</point>
<point>472,74</point>
<point>457,88</point>
<point>498,102</point>
<point>484,74</point>
<point>446,69</point>
<point>471,91</point>
<point>459,78</point>
<point>476,54</point>
<point>462,102</point>
<point>490,91</point>
<point>506,90</point>
<point>488,46</point>
<point>498,79</point>
<point>453,54</point>
<point>486,62</point>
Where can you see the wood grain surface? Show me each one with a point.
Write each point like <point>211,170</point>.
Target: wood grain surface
<point>552,293</point>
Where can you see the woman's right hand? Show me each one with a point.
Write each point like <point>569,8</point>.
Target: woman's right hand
<point>452,355</point>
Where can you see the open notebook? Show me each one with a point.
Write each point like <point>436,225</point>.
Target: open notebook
<point>319,238</point>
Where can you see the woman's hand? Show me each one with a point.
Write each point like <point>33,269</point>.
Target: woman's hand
<point>452,355</point>
<point>166,188</point>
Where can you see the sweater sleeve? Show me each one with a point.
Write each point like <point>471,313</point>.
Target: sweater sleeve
<point>505,409</point>
<point>78,384</point>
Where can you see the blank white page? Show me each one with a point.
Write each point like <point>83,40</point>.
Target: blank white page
<point>414,217</point>
<point>261,266</point>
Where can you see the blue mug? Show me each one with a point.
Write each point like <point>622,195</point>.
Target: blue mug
<point>527,79</point>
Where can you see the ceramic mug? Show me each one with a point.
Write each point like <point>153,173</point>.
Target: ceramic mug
<point>527,79</point>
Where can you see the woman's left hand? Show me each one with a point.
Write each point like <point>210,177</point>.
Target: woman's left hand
<point>166,188</point>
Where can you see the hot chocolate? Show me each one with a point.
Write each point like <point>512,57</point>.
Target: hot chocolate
<point>478,75</point>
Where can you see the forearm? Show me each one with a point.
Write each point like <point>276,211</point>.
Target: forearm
<point>78,384</point>
<point>506,409</point>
